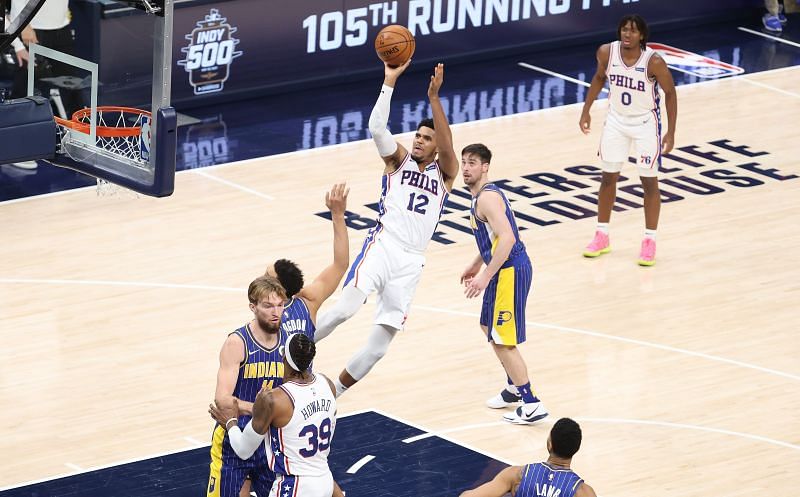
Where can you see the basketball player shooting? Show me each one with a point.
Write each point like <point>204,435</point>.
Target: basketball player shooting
<point>414,188</point>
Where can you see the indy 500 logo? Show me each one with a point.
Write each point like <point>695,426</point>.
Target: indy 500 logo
<point>209,54</point>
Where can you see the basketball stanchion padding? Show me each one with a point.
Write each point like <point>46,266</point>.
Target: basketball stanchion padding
<point>27,130</point>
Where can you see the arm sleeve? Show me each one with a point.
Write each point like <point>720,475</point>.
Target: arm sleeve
<point>378,120</point>
<point>245,442</point>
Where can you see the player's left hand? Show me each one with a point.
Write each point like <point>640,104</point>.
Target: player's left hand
<point>667,143</point>
<point>224,410</point>
<point>336,199</point>
<point>476,285</point>
<point>436,80</point>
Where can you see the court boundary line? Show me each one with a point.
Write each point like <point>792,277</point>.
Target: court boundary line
<point>326,148</point>
<point>441,310</point>
<point>770,87</point>
<point>769,37</point>
<point>232,184</point>
<point>629,421</point>
<point>633,341</point>
<point>139,459</point>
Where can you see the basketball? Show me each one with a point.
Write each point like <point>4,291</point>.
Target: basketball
<point>395,45</point>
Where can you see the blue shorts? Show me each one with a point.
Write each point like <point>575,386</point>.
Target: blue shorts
<point>228,471</point>
<point>503,310</point>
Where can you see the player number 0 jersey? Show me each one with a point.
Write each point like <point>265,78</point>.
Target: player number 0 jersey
<point>630,91</point>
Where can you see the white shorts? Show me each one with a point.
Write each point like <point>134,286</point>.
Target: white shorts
<point>302,486</point>
<point>619,132</point>
<point>390,269</point>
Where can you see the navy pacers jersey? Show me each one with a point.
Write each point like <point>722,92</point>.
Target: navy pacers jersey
<point>485,238</point>
<point>542,480</point>
<point>260,366</point>
<point>297,319</point>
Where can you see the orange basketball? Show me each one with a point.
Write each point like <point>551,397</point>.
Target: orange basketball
<point>395,45</point>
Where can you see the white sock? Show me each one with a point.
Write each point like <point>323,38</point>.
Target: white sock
<point>602,227</point>
<point>651,234</point>
<point>340,388</point>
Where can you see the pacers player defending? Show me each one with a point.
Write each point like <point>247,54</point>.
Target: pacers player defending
<point>635,74</point>
<point>415,185</point>
<point>550,478</point>
<point>300,417</point>
<point>250,359</point>
<point>506,280</point>
<point>300,312</point>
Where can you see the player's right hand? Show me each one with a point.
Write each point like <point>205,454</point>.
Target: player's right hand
<point>223,410</point>
<point>336,199</point>
<point>392,73</point>
<point>585,123</point>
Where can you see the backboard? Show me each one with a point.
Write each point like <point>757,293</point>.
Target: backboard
<point>114,120</point>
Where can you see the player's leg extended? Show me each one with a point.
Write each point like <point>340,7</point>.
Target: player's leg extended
<point>393,300</point>
<point>366,275</point>
<point>349,302</point>
<point>362,362</point>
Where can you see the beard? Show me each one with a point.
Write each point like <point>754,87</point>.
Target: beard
<point>268,326</point>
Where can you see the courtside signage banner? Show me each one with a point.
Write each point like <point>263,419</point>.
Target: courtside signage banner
<point>244,46</point>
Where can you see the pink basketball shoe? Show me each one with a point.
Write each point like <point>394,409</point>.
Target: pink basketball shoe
<point>647,256</point>
<point>600,245</point>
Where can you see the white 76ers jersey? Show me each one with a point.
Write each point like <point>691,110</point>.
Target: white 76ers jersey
<point>411,203</point>
<point>630,91</point>
<point>301,447</point>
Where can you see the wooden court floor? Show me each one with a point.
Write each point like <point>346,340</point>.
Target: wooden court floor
<point>685,376</point>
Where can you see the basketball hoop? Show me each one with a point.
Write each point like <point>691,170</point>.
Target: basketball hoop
<point>121,132</point>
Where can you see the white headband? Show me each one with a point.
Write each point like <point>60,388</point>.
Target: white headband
<point>288,355</point>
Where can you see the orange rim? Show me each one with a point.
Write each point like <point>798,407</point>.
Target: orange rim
<point>79,117</point>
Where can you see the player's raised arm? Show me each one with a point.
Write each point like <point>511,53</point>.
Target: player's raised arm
<point>499,486</point>
<point>598,81</point>
<point>659,70</point>
<point>325,284</point>
<point>390,151</point>
<point>444,137</point>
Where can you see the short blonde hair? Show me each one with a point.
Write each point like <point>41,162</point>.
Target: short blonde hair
<point>264,286</point>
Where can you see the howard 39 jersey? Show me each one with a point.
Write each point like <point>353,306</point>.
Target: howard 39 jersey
<point>630,91</point>
<point>301,447</point>
<point>543,480</point>
<point>411,203</point>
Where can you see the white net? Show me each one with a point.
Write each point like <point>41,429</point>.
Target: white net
<point>121,131</point>
<point>108,189</point>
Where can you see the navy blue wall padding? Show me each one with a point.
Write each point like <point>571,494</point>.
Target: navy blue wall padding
<point>27,130</point>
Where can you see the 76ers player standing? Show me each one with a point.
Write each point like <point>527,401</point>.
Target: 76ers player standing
<point>634,73</point>
<point>414,188</point>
